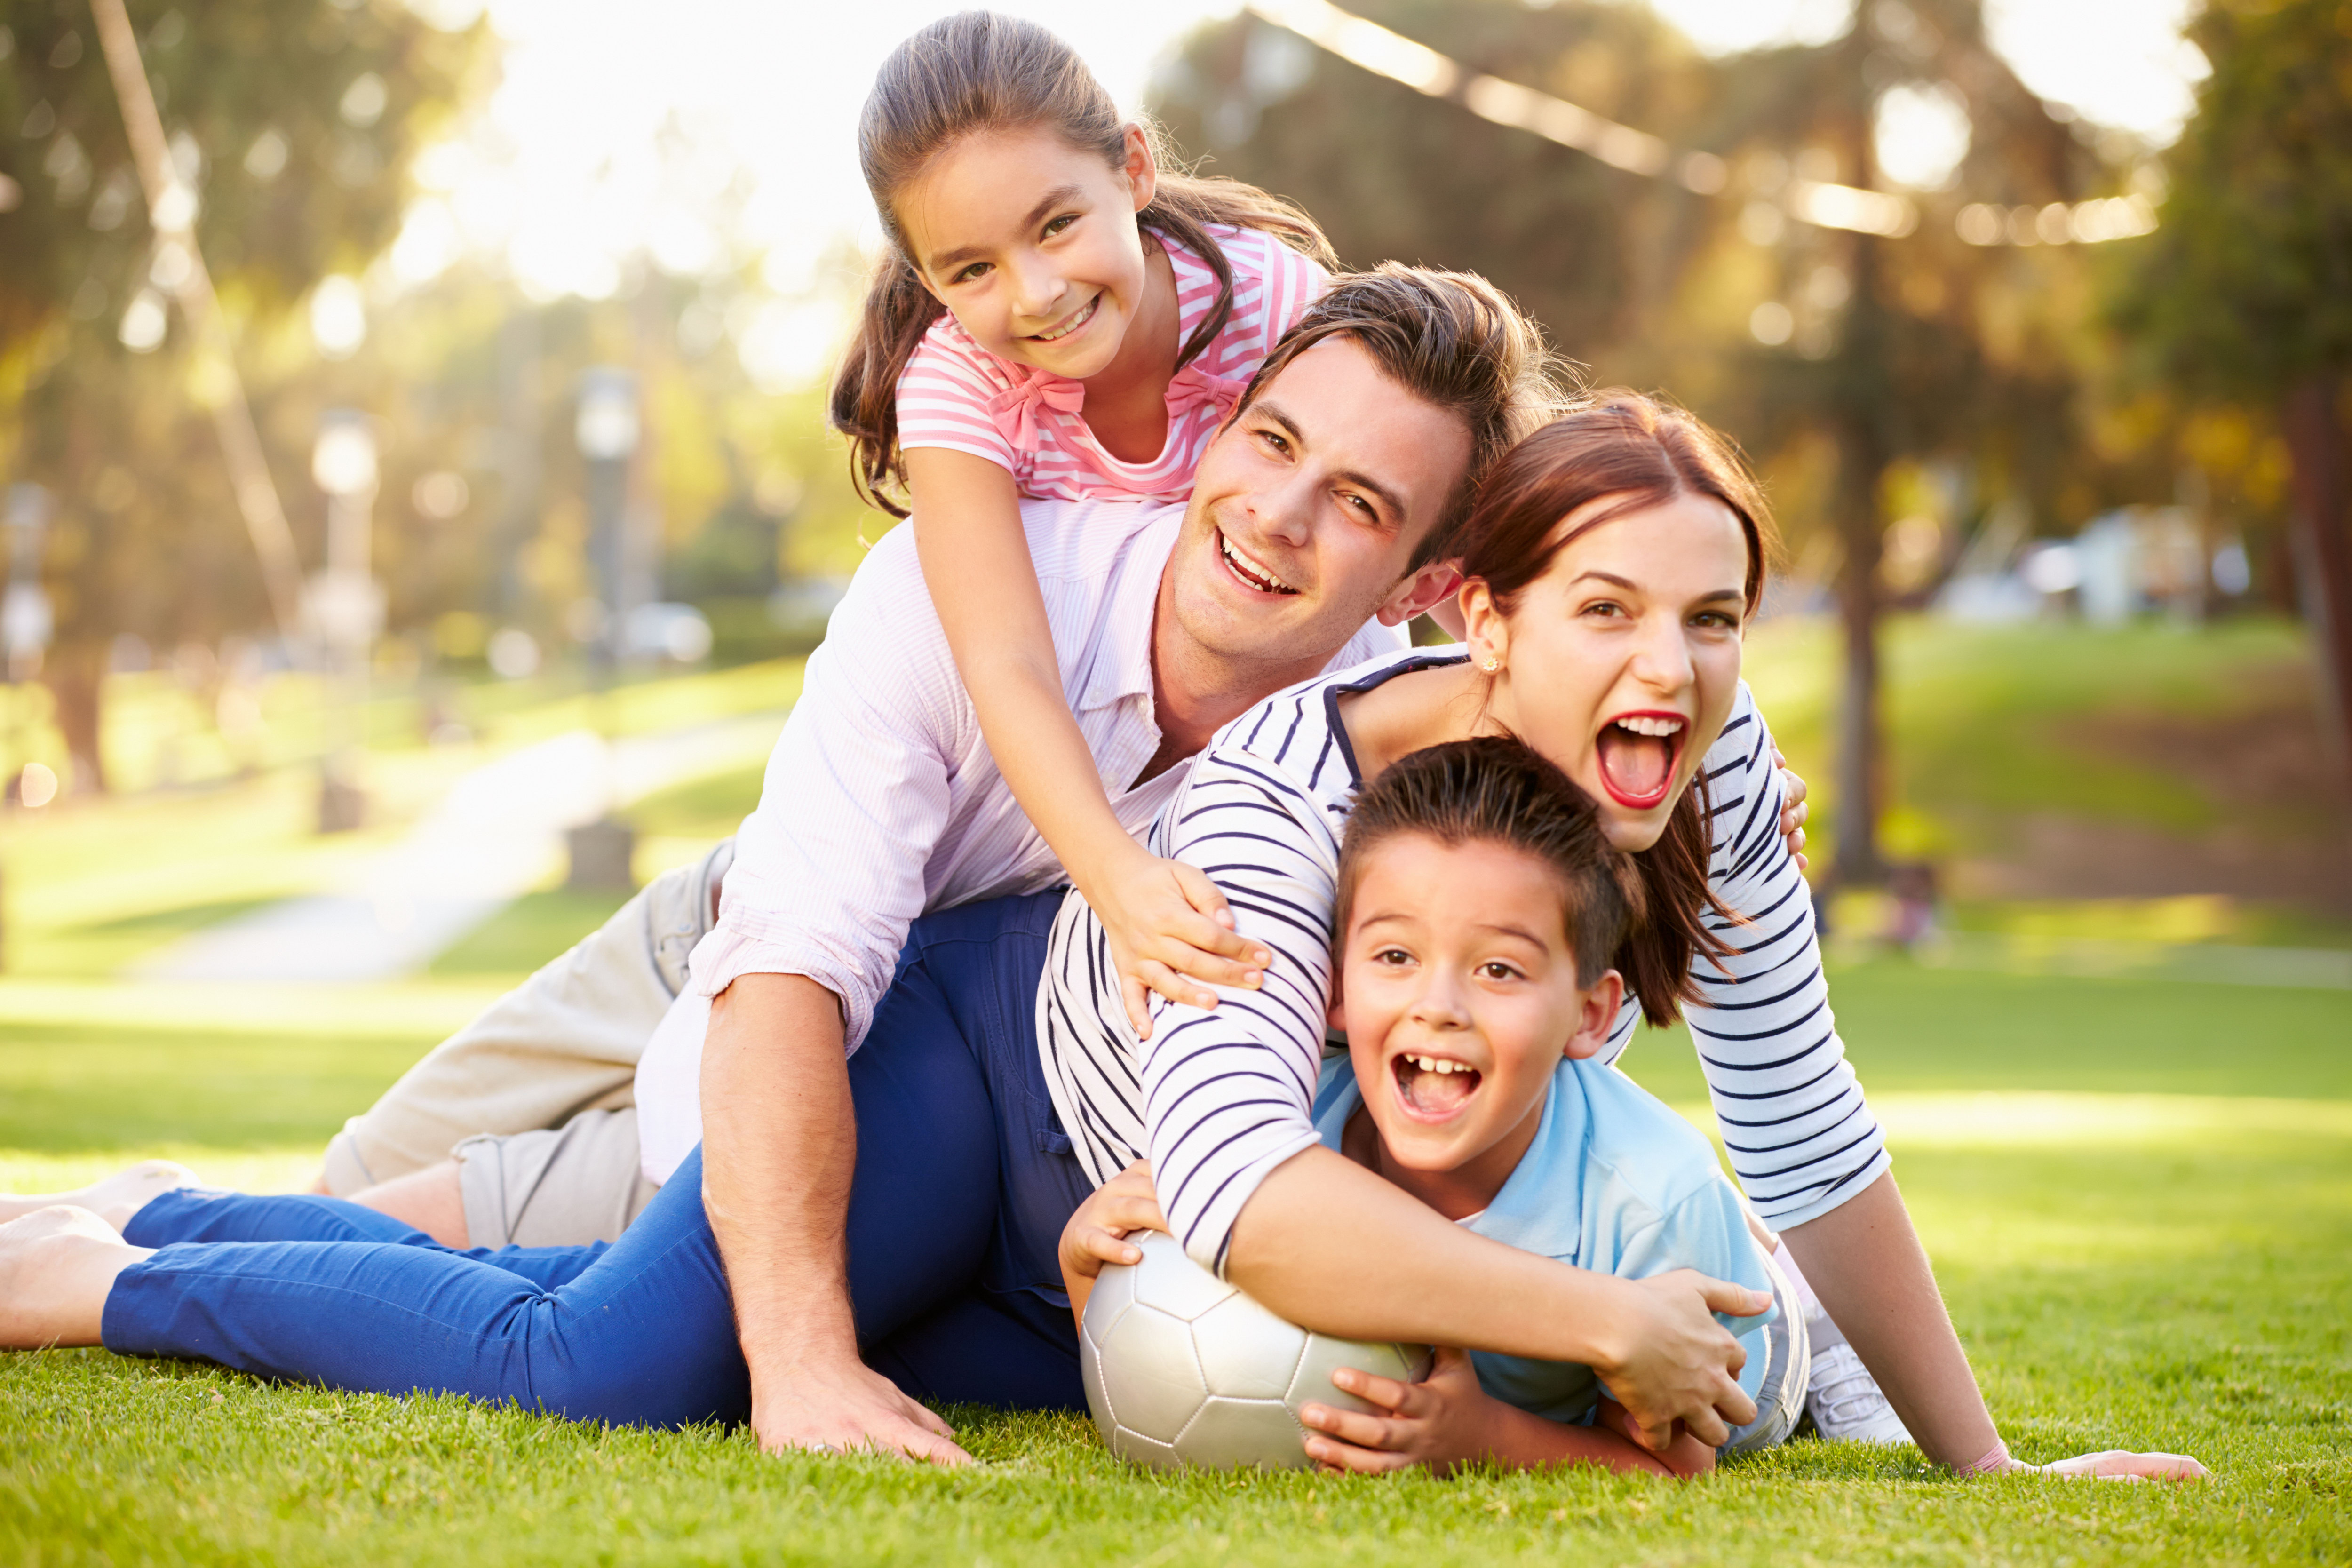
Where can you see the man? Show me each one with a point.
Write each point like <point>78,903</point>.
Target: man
<point>1349,466</point>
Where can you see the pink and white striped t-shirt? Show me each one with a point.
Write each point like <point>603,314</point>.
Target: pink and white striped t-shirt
<point>956,394</point>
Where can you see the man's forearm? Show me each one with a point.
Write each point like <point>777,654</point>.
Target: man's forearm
<point>780,1145</point>
<point>1864,1261</point>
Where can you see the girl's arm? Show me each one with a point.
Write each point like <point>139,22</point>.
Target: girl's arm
<point>1447,1420</point>
<point>1166,922</point>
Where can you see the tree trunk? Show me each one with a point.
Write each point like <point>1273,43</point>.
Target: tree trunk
<point>75,677</point>
<point>2317,442</point>
<point>1863,448</point>
<point>1861,461</point>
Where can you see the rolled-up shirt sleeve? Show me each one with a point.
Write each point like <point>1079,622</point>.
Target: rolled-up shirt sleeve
<point>1794,1121</point>
<point>829,869</point>
<point>1229,1093</point>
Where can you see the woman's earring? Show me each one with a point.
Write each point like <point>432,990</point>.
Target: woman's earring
<point>1490,663</point>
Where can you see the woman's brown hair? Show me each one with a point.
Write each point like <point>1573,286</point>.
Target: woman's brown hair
<point>1631,452</point>
<point>982,72</point>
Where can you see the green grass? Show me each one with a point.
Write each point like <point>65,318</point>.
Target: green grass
<point>2168,1271</point>
<point>1986,722</point>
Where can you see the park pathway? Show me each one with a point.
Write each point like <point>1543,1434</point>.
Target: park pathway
<point>494,837</point>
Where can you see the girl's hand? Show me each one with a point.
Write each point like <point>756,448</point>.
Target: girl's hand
<point>1169,929</point>
<point>1097,1233</point>
<point>1441,1422</point>
<point>1793,809</point>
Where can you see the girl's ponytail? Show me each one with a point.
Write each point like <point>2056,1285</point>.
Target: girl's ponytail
<point>978,72</point>
<point>865,408</point>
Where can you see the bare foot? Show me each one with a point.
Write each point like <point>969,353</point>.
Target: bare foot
<point>114,1199</point>
<point>56,1267</point>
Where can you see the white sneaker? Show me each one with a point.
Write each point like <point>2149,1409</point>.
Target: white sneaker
<point>1846,1403</point>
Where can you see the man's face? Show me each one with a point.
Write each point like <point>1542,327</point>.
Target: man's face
<point>1307,507</point>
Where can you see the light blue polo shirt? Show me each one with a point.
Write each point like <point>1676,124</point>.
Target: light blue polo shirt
<point>1614,1183</point>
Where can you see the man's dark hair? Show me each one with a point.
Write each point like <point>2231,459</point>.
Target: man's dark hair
<point>1451,339</point>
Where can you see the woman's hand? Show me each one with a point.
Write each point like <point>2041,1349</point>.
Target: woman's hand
<point>1671,1362</point>
<point>1793,809</point>
<point>1097,1233</point>
<point>1170,931</point>
<point>1441,1422</point>
<point>2109,1465</point>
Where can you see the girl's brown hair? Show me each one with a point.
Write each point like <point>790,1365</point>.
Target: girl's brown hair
<point>977,72</point>
<point>1498,790</point>
<point>1630,452</point>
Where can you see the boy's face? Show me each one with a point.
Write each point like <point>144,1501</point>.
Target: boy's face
<point>1459,994</point>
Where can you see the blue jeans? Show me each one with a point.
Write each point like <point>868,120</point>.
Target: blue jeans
<point>963,1180</point>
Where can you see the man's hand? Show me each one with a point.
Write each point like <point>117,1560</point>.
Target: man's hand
<point>1671,1361</point>
<point>1441,1422</point>
<point>1793,809</point>
<point>1170,931</point>
<point>845,1407</point>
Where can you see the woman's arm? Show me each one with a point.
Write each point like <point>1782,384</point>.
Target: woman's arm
<point>1165,923</point>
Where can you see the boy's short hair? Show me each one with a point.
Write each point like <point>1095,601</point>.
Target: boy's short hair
<point>1497,789</point>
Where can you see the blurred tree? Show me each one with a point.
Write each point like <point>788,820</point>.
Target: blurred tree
<point>1885,353</point>
<point>294,121</point>
<point>2245,294</point>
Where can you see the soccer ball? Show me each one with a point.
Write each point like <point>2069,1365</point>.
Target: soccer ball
<point>1182,1369</point>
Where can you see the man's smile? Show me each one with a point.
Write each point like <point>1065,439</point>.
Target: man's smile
<point>1253,572</point>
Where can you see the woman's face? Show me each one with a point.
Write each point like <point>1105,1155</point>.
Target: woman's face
<point>1620,662</point>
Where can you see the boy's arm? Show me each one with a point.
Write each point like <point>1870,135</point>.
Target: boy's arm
<point>1447,1420</point>
<point>1164,920</point>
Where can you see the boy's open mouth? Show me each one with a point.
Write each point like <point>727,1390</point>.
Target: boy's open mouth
<point>1638,752</point>
<point>1433,1087</point>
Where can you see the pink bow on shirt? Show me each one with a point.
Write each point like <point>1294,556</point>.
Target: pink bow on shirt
<point>1015,409</point>
<point>1191,387</point>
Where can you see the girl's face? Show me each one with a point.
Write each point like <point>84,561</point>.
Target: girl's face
<point>1459,994</point>
<point>1032,243</point>
<point>1621,661</point>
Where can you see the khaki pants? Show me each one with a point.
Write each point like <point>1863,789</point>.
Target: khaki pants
<point>565,1042</point>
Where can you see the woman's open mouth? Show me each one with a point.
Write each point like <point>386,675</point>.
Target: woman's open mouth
<point>1433,1088</point>
<point>1252,572</point>
<point>1638,754</point>
<point>1068,324</point>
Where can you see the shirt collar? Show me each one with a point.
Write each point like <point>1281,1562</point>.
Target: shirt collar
<point>1122,666</point>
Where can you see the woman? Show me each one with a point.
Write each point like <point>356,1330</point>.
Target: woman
<point>1612,563</point>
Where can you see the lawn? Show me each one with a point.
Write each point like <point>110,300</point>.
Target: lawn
<point>2138,1194</point>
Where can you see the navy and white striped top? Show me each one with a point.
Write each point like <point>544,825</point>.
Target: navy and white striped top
<point>1220,1097</point>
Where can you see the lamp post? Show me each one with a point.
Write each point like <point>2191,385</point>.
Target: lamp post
<point>606,427</point>
<point>25,623</point>
<point>346,606</point>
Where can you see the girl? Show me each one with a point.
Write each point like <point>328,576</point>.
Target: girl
<point>1061,315</point>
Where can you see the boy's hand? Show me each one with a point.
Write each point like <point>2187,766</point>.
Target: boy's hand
<point>1793,809</point>
<point>1171,931</point>
<point>1441,1422</point>
<point>1097,1233</point>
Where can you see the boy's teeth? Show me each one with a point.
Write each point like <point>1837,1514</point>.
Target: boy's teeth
<point>1644,725</point>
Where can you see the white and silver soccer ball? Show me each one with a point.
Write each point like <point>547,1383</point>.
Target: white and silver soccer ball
<point>1182,1369</point>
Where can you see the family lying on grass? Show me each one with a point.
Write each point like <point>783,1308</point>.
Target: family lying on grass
<point>1030,941</point>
